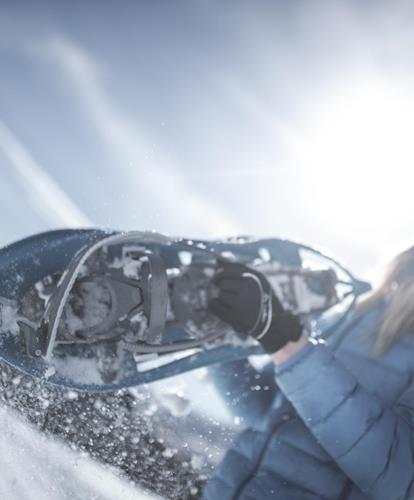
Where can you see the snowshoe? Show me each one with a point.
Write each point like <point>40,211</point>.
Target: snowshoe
<point>95,310</point>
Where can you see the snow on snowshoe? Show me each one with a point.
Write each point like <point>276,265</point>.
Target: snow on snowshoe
<point>96,310</point>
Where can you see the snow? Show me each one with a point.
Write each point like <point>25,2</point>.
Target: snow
<point>176,402</point>
<point>130,431</point>
<point>185,257</point>
<point>132,268</point>
<point>34,466</point>
<point>8,317</point>
<point>50,371</point>
<point>92,301</point>
<point>80,370</point>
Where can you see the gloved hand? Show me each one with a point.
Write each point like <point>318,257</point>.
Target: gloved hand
<point>243,298</point>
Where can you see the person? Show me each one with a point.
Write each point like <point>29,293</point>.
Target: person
<point>329,418</point>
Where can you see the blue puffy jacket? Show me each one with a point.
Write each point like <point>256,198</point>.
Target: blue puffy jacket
<point>332,422</point>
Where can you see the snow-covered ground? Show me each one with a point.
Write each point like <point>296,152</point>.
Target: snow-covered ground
<point>34,466</point>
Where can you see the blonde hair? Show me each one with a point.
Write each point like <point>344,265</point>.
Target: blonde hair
<point>396,292</point>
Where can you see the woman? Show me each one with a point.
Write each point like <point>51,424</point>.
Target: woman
<point>337,418</point>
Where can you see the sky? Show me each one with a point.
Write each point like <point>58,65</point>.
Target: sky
<point>210,119</point>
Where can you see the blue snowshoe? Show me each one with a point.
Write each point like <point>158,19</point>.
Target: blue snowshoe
<point>102,310</point>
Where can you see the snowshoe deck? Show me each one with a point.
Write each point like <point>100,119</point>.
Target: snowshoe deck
<point>97,311</point>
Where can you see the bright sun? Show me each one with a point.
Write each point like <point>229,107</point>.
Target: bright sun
<point>356,153</point>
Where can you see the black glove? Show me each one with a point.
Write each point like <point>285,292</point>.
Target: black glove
<point>243,298</point>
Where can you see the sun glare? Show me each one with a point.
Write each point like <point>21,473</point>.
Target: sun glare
<point>356,153</point>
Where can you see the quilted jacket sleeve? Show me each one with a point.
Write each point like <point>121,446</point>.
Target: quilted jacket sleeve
<point>247,392</point>
<point>372,444</point>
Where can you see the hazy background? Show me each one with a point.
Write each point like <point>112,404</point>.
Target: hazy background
<point>209,118</point>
